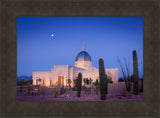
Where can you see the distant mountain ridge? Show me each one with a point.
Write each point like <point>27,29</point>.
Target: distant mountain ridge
<point>28,78</point>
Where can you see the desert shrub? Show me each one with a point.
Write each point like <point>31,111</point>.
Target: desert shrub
<point>121,80</point>
<point>109,79</point>
<point>18,84</point>
<point>75,81</point>
<point>56,91</point>
<point>30,88</point>
<point>96,83</point>
<point>42,90</point>
<point>62,90</point>
<point>124,92</point>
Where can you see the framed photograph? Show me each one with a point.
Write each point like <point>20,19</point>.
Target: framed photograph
<point>50,41</point>
<point>61,57</point>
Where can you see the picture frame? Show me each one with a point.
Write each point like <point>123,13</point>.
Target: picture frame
<point>10,107</point>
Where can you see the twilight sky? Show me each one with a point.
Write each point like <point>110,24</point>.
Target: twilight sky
<point>104,37</point>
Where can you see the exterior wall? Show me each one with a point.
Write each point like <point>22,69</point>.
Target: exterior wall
<point>51,77</point>
<point>43,76</point>
<point>83,64</point>
<point>113,73</point>
<point>76,71</point>
<point>94,74</point>
<point>71,72</point>
<point>61,70</point>
<point>118,87</point>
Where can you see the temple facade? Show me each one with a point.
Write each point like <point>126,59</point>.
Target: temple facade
<point>60,73</point>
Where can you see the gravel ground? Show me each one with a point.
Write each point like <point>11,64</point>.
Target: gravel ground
<point>71,96</point>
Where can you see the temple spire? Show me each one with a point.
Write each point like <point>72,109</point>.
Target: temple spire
<point>83,49</point>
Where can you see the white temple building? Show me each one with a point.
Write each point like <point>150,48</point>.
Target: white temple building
<point>60,73</point>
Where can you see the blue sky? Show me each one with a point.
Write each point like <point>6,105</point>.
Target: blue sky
<point>104,37</point>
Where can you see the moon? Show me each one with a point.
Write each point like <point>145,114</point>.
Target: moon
<point>52,35</point>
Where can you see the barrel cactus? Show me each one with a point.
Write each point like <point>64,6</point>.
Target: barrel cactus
<point>135,73</point>
<point>102,79</point>
<point>79,84</point>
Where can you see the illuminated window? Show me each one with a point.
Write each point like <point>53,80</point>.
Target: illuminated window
<point>36,81</point>
<point>43,82</point>
<point>61,80</point>
<point>50,82</point>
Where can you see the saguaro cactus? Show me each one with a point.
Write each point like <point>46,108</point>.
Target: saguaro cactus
<point>135,73</point>
<point>79,84</point>
<point>141,90</point>
<point>102,79</point>
<point>106,81</point>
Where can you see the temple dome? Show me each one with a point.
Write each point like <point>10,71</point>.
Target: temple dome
<point>83,56</point>
<point>83,60</point>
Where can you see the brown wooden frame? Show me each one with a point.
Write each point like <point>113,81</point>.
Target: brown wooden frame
<point>11,10</point>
